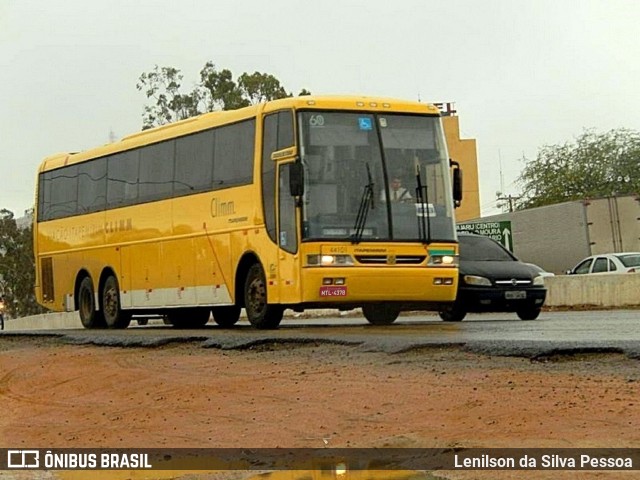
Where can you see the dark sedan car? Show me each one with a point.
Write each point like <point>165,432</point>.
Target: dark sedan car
<point>493,280</point>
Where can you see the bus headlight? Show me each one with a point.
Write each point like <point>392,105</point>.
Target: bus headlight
<point>329,260</point>
<point>443,260</point>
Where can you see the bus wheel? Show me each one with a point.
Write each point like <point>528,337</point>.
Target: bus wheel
<point>189,317</point>
<point>261,314</point>
<point>89,316</point>
<point>114,316</point>
<point>381,314</point>
<point>226,316</point>
<point>530,313</point>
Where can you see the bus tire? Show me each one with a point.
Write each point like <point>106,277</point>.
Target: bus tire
<point>226,316</point>
<point>89,316</point>
<point>380,314</point>
<point>114,316</point>
<point>260,313</point>
<point>195,317</point>
<point>529,313</point>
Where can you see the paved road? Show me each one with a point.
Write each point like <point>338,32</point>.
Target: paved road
<point>495,334</point>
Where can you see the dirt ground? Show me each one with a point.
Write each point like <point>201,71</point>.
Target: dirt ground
<point>54,395</point>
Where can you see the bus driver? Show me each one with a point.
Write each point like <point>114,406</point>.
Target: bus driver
<point>397,192</point>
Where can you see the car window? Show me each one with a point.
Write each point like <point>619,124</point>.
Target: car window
<point>474,248</point>
<point>583,267</point>
<point>630,260</point>
<point>600,265</point>
<point>612,266</point>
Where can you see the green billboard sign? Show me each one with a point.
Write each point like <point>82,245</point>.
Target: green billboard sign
<point>499,231</point>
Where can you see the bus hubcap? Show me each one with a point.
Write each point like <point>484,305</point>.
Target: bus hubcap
<point>258,296</point>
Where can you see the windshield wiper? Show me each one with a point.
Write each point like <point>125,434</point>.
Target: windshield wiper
<point>422,210</point>
<point>366,204</point>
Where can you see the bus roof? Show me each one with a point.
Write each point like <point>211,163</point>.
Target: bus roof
<point>213,119</point>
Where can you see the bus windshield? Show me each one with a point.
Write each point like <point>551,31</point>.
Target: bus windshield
<point>348,156</point>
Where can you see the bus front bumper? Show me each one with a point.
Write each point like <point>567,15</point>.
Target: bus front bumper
<point>356,285</point>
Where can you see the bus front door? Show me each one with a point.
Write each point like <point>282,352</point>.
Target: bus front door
<point>288,256</point>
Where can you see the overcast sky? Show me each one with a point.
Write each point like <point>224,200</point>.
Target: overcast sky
<point>523,73</point>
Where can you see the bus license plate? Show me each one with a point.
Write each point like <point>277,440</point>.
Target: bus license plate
<point>515,295</point>
<point>333,291</point>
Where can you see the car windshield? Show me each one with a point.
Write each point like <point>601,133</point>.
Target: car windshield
<point>476,248</point>
<point>632,260</point>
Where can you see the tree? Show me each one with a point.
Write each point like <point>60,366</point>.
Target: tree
<point>163,86</point>
<point>220,91</point>
<point>17,267</point>
<point>216,90</point>
<point>260,87</point>
<point>596,165</point>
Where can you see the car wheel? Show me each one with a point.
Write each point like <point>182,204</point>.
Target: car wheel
<point>382,314</point>
<point>226,316</point>
<point>530,313</point>
<point>453,313</point>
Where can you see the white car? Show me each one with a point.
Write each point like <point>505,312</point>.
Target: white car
<point>626,262</point>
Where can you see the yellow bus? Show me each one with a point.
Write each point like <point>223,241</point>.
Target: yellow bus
<point>273,206</point>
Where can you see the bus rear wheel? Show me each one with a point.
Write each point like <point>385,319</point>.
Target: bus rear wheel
<point>114,316</point>
<point>226,316</point>
<point>89,316</point>
<point>381,314</point>
<point>260,313</point>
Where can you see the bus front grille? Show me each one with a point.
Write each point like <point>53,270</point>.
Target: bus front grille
<point>390,259</point>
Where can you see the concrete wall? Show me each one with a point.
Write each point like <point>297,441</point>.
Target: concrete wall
<point>607,290</point>
<point>45,321</point>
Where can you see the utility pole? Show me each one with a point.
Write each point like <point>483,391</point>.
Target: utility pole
<point>510,199</point>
